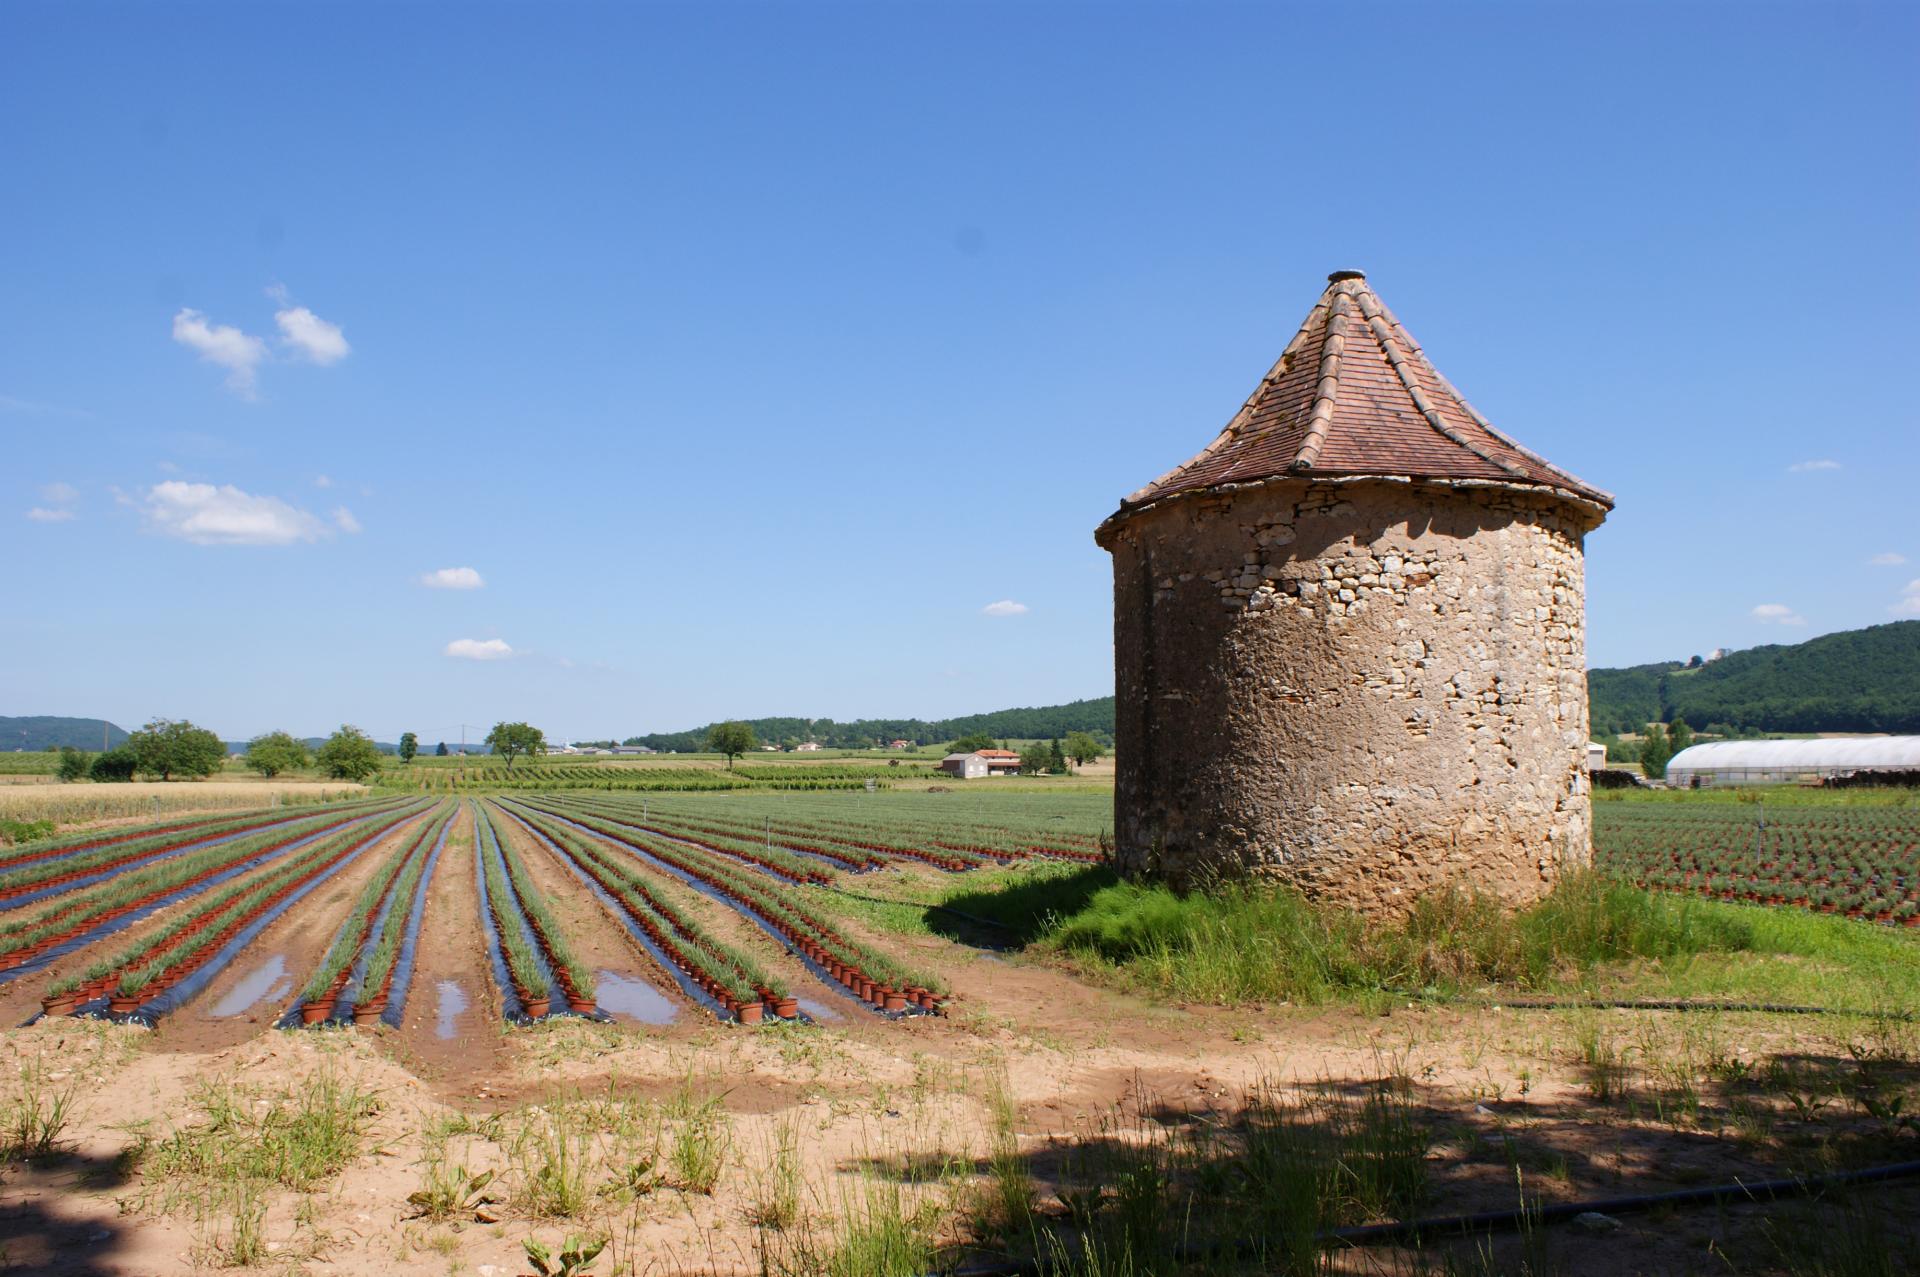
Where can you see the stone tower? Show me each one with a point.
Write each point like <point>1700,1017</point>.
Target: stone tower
<point>1349,637</point>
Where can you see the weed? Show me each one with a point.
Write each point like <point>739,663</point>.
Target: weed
<point>776,1189</point>
<point>575,1255</point>
<point>37,1109</point>
<point>293,1138</point>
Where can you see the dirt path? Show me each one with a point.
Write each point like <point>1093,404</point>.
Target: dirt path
<point>451,1034</point>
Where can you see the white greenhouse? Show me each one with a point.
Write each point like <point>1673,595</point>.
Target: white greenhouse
<point>1788,762</point>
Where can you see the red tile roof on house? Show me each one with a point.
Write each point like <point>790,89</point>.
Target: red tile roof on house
<point>1352,394</point>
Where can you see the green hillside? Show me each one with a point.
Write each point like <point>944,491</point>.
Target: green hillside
<point>1854,681</point>
<point>46,731</point>
<point>1034,723</point>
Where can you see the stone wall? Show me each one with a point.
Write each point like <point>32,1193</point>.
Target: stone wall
<point>1367,688</point>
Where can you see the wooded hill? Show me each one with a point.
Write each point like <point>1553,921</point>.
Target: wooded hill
<point>1035,723</point>
<point>49,731</point>
<point>1854,681</point>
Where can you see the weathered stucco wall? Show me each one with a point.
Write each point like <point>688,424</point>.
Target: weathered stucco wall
<point>1366,688</point>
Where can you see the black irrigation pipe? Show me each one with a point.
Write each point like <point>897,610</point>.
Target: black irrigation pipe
<point>410,942</point>
<point>1497,1221</point>
<point>1648,1004</point>
<point>699,996</point>
<point>740,907</point>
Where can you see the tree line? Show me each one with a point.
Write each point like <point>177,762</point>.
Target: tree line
<point>176,749</point>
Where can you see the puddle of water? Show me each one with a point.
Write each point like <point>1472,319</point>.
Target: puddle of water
<point>264,981</point>
<point>634,999</point>
<point>453,1000</point>
<point>819,1010</point>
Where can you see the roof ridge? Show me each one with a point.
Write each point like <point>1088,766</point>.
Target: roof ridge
<point>1383,332</point>
<point>1479,418</point>
<point>1327,388</point>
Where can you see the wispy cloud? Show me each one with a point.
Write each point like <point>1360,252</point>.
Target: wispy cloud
<point>1801,467</point>
<point>1777,614</point>
<point>322,481</point>
<point>479,649</point>
<point>222,344</point>
<point>59,498</point>
<point>1888,560</point>
<point>206,514</point>
<point>452,579</point>
<point>310,337</point>
<point>344,520</point>
<point>1909,604</point>
<point>1005,607</point>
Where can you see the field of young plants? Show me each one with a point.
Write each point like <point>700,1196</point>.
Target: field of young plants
<point>1862,861</point>
<point>726,899</point>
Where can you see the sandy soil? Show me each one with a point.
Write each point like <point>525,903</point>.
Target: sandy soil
<point>1501,1092</point>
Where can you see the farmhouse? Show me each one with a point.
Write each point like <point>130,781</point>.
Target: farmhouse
<point>1350,638</point>
<point>1787,762</point>
<point>806,746</point>
<point>981,763</point>
<point>900,744</point>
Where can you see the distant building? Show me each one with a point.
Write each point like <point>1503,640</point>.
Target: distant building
<point>981,763</point>
<point>633,749</point>
<point>1596,757</point>
<point>899,744</point>
<point>1892,759</point>
<point>806,746</point>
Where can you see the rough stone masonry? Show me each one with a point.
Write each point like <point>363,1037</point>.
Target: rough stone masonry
<point>1349,638</point>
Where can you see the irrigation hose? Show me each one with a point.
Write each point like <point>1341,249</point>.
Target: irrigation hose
<point>1648,1004</point>
<point>1523,1217</point>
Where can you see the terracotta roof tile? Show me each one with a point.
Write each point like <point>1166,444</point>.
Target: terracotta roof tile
<point>1352,394</point>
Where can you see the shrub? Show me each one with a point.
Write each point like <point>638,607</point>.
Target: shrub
<point>117,764</point>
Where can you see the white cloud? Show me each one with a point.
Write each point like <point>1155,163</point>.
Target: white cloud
<point>322,481</point>
<point>1801,467</point>
<point>1888,560</point>
<point>311,337</point>
<point>60,493</point>
<point>1778,614</point>
<point>479,649</point>
<point>224,345</point>
<point>208,515</point>
<point>1909,604</point>
<point>1005,607</point>
<point>452,579</point>
<point>40,514</point>
<point>344,520</point>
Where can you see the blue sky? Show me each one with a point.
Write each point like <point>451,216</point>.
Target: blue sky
<point>749,354</point>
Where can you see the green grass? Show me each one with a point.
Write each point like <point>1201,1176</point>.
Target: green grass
<point>1592,934</point>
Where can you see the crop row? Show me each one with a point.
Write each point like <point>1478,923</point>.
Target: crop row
<point>864,971</point>
<point>368,926</point>
<point>725,973</point>
<point>71,915</point>
<point>574,977</point>
<point>780,863</point>
<point>163,958</point>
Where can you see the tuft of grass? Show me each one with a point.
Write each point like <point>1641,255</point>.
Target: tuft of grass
<point>292,1138</point>
<point>36,1111</point>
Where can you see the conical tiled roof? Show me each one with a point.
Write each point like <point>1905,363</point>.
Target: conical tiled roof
<point>1353,395</point>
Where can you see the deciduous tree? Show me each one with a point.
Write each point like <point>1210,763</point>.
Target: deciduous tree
<point>275,752</point>
<point>510,740</point>
<point>1655,752</point>
<point>174,747</point>
<point>1679,735</point>
<point>972,741</point>
<point>409,746</point>
<point>117,764</point>
<point>1082,748</point>
<point>349,754</point>
<point>73,763</point>
<point>731,739</point>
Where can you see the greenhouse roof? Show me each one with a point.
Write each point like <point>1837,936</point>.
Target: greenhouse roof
<point>1829,754</point>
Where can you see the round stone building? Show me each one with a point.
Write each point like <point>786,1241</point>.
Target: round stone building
<point>1349,637</point>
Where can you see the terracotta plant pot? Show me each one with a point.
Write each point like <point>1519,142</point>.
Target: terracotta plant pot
<point>787,1008</point>
<point>580,1006</point>
<point>366,1017</point>
<point>895,1001</point>
<point>314,1012</point>
<point>749,1012</point>
<point>123,1003</point>
<point>536,1008</point>
<point>58,1004</point>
